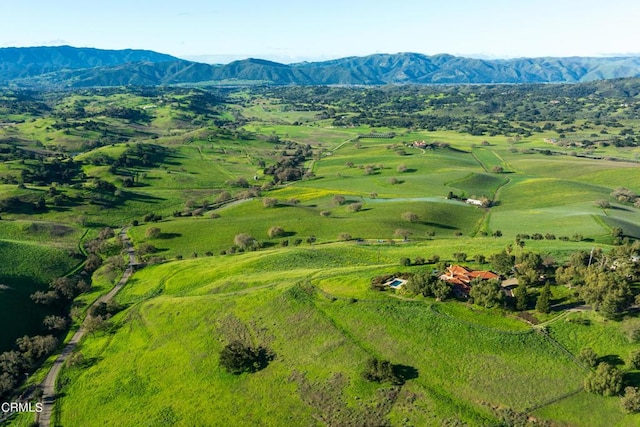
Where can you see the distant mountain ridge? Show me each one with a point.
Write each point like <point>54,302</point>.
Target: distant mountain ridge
<point>67,66</point>
<point>23,62</point>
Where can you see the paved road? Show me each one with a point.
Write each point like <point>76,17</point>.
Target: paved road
<point>49,383</point>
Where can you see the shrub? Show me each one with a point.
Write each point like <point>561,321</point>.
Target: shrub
<point>405,261</point>
<point>276,231</point>
<point>269,202</point>
<point>381,371</point>
<point>355,207</point>
<point>402,232</point>
<point>152,217</point>
<point>344,236</point>
<point>631,400</point>
<point>339,200</point>
<point>401,168</point>
<point>244,240</point>
<point>480,259</point>
<point>631,329</point>
<point>460,256</point>
<point>409,217</point>
<point>237,357</point>
<point>325,213</point>
<point>152,233</point>
<point>588,357</point>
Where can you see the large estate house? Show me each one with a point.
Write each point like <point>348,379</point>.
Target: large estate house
<point>461,277</point>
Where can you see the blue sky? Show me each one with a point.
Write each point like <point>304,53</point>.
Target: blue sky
<point>290,31</point>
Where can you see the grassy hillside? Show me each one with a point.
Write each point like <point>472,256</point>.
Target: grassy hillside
<point>337,169</point>
<point>176,328</point>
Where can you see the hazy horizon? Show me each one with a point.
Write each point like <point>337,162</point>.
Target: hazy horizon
<point>280,31</point>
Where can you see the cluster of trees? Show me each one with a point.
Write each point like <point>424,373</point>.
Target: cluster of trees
<point>61,291</point>
<point>28,353</point>
<point>519,110</point>
<point>137,156</point>
<point>428,285</point>
<point>290,166</point>
<point>607,380</point>
<point>603,280</point>
<point>45,172</point>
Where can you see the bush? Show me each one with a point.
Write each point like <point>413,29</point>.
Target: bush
<point>631,400</point>
<point>276,231</point>
<point>237,358</point>
<point>402,232</point>
<point>409,217</point>
<point>588,357</point>
<point>339,200</point>
<point>244,240</point>
<point>152,217</point>
<point>631,329</point>
<point>405,262</point>
<point>152,233</point>
<point>381,371</point>
<point>355,207</point>
<point>344,236</point>
<point>460,256</point>
<point>269,202</point>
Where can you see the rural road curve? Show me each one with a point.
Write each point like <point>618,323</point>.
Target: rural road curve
<point>49,383</point>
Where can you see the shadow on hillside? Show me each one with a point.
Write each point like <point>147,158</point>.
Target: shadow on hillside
<point>611,359</point>
<point>405,372</point>
<point>620,208</point>
<point>127,195</point>
<point>170,235</point>
<point>433,224</point>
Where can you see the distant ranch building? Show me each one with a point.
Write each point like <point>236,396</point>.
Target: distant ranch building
<point>474,202</point>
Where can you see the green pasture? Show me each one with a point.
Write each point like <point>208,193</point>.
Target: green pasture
<point>490,159</point>
<point>378,219</point>
<point>175,333</point>
<point>580,330</point>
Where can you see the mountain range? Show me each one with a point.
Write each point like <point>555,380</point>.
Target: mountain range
<point>69,67</point>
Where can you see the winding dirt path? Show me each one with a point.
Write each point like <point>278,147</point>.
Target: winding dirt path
<point>49,383</point>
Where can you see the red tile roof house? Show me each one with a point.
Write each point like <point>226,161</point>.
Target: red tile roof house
<point>461,277</point>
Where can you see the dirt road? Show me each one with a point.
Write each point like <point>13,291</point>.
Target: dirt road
<point>49,383</point>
